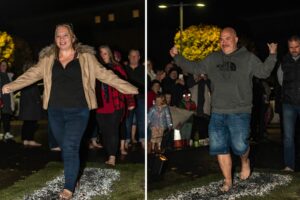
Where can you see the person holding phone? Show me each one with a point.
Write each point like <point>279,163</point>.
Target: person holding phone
<point>174,85</point>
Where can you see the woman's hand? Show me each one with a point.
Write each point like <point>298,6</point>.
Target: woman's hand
<point>6,89</point>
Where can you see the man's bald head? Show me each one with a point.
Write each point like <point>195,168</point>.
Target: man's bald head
<point>229,30</point>
<point>228,40</point>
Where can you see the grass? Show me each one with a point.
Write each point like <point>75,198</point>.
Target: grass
<point>31,183</point>
<point>130,185</point>
<point>186,183</point>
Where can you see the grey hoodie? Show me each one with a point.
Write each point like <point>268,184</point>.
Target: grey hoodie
<point>231,77</point>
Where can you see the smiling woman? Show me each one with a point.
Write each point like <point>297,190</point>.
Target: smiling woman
<point>68,69</point>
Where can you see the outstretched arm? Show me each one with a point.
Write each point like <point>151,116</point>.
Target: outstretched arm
<point>110,78</point>
<point>32,75</point>
<point>186,65</point>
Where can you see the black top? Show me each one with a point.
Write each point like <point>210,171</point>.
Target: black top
<point>67,87</point>
<point>4,79</point>
<point>137,78</point>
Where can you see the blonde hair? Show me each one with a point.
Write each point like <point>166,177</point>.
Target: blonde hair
<point>110,54</point>
<point>69,27</point>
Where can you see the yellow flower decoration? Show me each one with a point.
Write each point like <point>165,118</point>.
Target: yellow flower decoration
<point>7,47</point>
<point>198,41</point>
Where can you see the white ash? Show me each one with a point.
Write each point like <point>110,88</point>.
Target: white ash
<point>94,181</point>
<point>259,184</point>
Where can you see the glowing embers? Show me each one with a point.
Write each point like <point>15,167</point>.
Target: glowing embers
<point>259,184</point>
<point>93,182</point>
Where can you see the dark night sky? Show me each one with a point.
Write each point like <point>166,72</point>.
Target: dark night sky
<point>33,17</point>
<point>35,20</point>
<point>260,21</point>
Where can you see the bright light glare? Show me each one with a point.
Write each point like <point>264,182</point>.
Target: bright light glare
<point>163,6</point>
<point>200,4</point>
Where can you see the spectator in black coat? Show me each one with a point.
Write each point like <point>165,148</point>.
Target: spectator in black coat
<point>7,99</point>
<point>30,112</point>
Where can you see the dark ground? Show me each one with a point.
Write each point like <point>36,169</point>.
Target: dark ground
<point>18,162</point>
<point>196,162</point>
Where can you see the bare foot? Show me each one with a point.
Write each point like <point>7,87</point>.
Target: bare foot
<point>227,185</point>
<point>33,143</point>
<point>134,141</point>
<point>25,142</point>
<point>126,145</point>
<point>123,152</point>
<point>245,172</point>
<point>95,145</point>
<point>56,149</point>
<point>65,195</point>
<point>111,161</point>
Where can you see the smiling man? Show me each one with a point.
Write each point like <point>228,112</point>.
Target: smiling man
<point>230,70</point>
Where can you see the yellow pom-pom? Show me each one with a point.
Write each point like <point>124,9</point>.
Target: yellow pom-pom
<point>198,41</point>
<point>7,47</point>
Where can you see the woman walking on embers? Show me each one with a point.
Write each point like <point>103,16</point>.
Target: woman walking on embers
<point>69,71</point>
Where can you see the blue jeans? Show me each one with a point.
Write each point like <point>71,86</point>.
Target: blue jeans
<point>68,126</point>
<point>130,121</point>
<point>289,113</point>
<point>51,139</point>
<point>139,114</point>
<point>229,131</point>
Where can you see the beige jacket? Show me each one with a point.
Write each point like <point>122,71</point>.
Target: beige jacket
<point>91,70</point>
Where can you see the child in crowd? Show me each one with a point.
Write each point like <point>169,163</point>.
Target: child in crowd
<point>187,102</point>
<point>155,89</point>
<point>159,120</point>
<point>168,98</point>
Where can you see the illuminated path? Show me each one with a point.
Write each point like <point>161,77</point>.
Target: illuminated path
<point>93,182</point>
<point>259,184</point>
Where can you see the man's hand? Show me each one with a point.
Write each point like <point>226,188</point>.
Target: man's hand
<point>173,51</point>
<point>131,107</point>
<point>272,48</point>
<point>5,89</point>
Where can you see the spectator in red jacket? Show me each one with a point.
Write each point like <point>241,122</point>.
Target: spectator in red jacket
<point>155,88</point>
<point>112,107</point>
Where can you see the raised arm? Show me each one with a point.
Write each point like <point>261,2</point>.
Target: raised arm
<point>263,70</point>
<point>186,65</point>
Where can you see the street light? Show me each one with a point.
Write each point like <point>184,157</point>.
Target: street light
<point>180,5</point>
